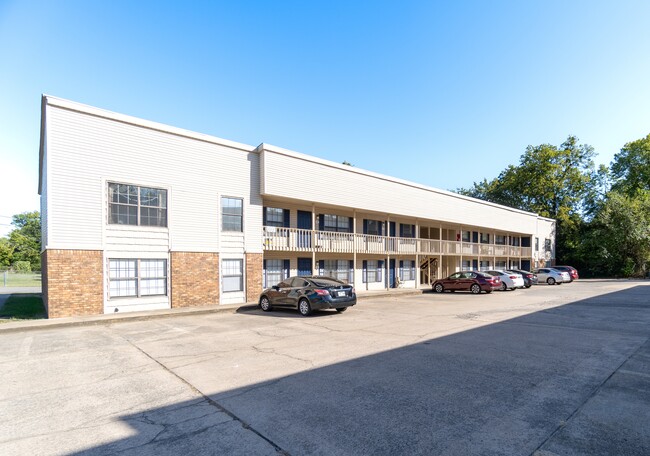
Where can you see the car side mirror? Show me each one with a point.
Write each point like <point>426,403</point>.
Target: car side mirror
<point>276,288</point>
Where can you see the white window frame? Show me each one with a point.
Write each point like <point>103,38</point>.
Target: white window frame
<point>162,208</point>
<point>229,274</point>
<point>138,279</point>
<point>226,216</point>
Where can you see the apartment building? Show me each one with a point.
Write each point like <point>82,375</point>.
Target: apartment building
<point>137,215</point>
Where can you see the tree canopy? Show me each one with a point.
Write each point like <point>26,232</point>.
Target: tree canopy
<point>23,242</point>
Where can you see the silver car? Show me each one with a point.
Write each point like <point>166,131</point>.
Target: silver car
<point>552,276</point>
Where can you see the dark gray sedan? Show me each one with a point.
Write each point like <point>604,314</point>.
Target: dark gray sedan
<point>309,293</point>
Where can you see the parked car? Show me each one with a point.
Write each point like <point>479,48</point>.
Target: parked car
<point>473,281</point>
<point>509,280</point>
<point>530,278</point>
<point>552,276</point>
<point>309,293</point>
<point>573,272</point>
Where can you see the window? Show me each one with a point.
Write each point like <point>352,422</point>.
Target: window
<point>484,266</point>
<point>466,264</point>
<point>406,230</point>
<point>336,223</point>
<point>536,244</point>
<point>275,216</point>
<point>407,270</point>
<point>466,236</point>
<point>275,271</point>
<point>137,278</point>
<point>500,264</point>
<point>499,239</point>
<point>339,269</point>
<point>485,238</point>
<point>372,271</point>
<point>374,227</point>
<point>133,205</point>
<point>233,275</point>
<point>231,214</point>
<point>547,245</point>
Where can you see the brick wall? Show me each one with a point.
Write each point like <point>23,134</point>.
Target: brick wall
<point>253,276</point>
<point>194,279</point>
<point>73,282</point>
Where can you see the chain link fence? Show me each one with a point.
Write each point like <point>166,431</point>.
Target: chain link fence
<point>20,279</point>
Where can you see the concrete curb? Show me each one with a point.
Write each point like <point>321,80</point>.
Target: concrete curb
<point>33,325</point>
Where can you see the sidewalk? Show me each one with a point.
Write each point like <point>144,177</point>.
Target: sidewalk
<point>104,319</point>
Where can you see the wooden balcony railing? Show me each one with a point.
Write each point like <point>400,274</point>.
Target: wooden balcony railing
<point>299,240</point>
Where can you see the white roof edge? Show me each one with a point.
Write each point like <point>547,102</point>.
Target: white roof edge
<point>98,112</point>
<point>300,156</point>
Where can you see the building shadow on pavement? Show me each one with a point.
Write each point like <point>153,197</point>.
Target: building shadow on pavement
<point>566,380</point>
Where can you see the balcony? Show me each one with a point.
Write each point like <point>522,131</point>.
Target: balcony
<point>299,240</point>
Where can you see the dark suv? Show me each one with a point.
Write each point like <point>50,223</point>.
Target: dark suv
<point>309,293</point>
<point>530,278</point>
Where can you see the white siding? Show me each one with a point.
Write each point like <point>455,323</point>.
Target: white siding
<point>350,187</point>
<point>86,151</point>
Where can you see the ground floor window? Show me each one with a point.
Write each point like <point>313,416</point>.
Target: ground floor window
<point>466,264</point>
<point>137,277</point>
<point>275,271</point>
<point>372,271</point>
<point>484,266</point>
<point>500,264</point>
<point>339,269</point>
<point>232,272</point>
<point>407,270</point>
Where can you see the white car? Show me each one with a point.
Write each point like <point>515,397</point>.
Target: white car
<point>552,276</point>
<point>510,280</point>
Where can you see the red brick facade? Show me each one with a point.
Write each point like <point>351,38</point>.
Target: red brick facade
<point>194,279</point>
<point>254,263</point>
<point>73,282</point>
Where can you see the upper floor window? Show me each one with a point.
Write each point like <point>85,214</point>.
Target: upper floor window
<point>485,238</point>
<point>406,230</point>
<point>466,236</point>
<point>232,214</point>
<point>536,244</point>
<point>275,216</point>
<point>547,245</point>
<point>339,223</point>
<point>373,227</point>
<point>499,239</point>
<point>134,205</point>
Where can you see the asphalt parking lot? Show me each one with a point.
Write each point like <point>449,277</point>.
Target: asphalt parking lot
<point>553,370</point>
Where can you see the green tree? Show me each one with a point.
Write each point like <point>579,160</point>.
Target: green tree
<point>557,182</point>
<point>631,167</point>
<point>617,241</point>
<point>6,253</point>
<point>25,239</point>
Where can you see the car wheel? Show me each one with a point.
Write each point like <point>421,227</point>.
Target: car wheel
<point>341,309</point>
<point>527,286</point>
<point>504,287</point>
<point>476,289</point>
<point>265,305</point>
<point>550,281</point>
<point>304,307</point>
<point>439,288</point>
<point>488,291</point>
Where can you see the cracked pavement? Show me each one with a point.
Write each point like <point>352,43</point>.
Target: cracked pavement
<point>547,371</point>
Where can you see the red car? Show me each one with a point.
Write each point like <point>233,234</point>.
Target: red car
<point>573,272</point>
<point>473,281</point>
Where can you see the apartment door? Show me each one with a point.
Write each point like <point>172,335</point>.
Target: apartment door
<point>304,238</point>
<point>391,274</point>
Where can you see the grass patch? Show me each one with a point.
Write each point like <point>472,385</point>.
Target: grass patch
<point>23,307</point>
<point>20,280</point>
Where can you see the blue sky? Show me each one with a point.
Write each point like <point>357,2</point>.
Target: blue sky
<point>440,93</point>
